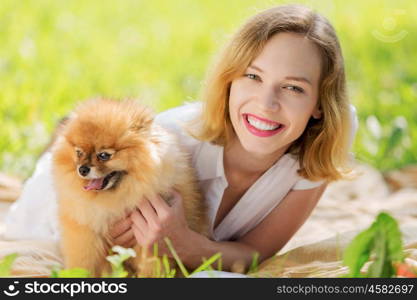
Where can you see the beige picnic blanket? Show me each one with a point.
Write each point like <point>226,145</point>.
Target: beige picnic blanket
<point>346,208</point>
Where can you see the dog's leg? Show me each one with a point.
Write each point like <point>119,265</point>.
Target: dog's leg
<point>81,247</point>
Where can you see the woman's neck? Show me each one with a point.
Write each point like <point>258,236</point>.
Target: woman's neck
<point>237,160</point>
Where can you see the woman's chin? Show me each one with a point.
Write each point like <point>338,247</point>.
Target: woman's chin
<point>258,151</point>
<point>264,149</point>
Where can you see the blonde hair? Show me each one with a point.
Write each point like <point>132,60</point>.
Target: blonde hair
<point>322,149</point>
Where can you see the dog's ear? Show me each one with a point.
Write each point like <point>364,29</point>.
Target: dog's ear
<point>141,119</point>
<point>59,129</point>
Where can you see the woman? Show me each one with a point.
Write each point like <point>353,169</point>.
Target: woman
<point>274,129</point>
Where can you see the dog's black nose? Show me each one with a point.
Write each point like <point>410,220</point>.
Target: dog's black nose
<point>84,170</point>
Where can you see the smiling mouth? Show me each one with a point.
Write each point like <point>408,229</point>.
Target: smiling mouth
<point>262,127</point>
<point>104,183</point>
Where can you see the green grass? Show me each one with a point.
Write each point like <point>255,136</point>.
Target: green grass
<point>161,267</point>
<point>56,52</point>
<point>381,245</point>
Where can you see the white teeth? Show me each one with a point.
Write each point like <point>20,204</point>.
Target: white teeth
<point>261,125</point>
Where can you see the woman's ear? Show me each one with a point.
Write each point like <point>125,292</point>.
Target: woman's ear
<point>316,113</point>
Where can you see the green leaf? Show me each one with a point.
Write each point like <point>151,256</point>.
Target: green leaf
<point>207,263</point>
<point>71,273</point>
<point>383,239</point>
<point>176,257</point>
<point>358,251</point>
<point>387,247</point>
<point>394,240</point>
<point>117,260</point>
<point>170,273</point>
<point>254,265</point>
<point>376,269</point>
<point>6,264</point>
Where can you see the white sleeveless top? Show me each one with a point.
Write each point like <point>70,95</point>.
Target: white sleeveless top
<point>34,214</point>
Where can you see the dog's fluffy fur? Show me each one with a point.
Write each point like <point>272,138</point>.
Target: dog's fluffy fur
<point>145,160</point>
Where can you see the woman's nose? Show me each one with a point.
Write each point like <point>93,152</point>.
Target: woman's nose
<point>269,99</point>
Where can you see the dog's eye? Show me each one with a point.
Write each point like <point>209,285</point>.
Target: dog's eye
<point>79,153</point>
<point>103,156</point>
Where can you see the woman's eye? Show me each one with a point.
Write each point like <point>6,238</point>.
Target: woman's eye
<point>295,89</point>
<point>252,76</point>
<point>103,156</point>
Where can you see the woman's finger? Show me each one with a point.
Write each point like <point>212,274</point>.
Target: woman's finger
<point>139,237</point>
<point>138,220</point>
<point>148,211</point>
<point>132,243</point>
<point>125,238</point>
<point>120,227</point>
<point>160,205</point>
<point>176,198</point>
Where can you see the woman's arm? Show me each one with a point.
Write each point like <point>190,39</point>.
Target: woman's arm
<point>271,235</point>
<point>267,238</point>
<point>155,219</point>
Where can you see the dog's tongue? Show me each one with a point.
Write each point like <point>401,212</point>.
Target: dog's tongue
<point>94,184</point>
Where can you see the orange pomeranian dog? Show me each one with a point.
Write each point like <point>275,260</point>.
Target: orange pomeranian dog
<point>108,156</point>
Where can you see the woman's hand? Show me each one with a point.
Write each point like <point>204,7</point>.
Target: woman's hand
<point>154,219</point>
<point>122,234</point>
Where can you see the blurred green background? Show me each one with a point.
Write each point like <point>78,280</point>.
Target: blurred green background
<point>55,53</point>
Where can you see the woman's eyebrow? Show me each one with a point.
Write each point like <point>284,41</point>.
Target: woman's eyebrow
<point>256,68</point>
<point>295,78</point>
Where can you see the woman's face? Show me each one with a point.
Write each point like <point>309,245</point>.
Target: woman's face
<point>271,103</point>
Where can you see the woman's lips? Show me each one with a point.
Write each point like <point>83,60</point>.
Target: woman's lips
<point>262,133</point>
<point>262,119</point>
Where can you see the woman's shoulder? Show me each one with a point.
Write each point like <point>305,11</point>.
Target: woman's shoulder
<point>175,117</point>
<point>301,183</point>
<point>176,120</point>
